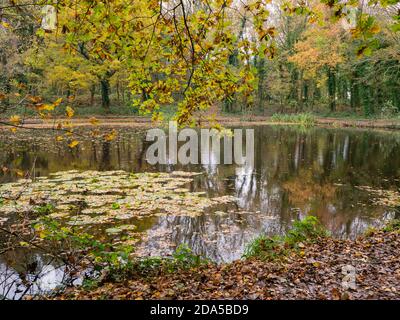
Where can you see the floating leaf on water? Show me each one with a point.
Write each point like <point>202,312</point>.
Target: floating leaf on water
<point>113,230</point>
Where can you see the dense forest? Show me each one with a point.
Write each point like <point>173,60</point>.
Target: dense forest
<point>166,56</point>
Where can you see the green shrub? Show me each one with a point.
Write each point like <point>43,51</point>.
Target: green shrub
<point>307,230</point>
<point>102,255</point>
<point>264,247</point>
<point>389,110</point>
<point>183,257</point>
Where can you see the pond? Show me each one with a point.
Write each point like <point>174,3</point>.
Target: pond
<point>348,178</point>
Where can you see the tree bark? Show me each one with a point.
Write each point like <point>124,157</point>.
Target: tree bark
<point>105,94</point>
<point>332,89</point>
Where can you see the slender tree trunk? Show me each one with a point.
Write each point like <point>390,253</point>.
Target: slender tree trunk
<point>92,92</point>
<point>332,89</point>
<point>117,88</point>
<point>105,94</point>
<point>261,88</point>
<point>354,92</point>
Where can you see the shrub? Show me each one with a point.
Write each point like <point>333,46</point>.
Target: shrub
<point>307,230</point>
<point>184,258</point>
<point>389,110</point>
<point>264,247</point>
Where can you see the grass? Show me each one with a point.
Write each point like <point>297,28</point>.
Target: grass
<point>303,119</point>
<point>303,231</point>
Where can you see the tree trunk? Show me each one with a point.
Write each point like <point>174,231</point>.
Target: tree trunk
<point>92,92</point>
<point>105,94</point>
<point>332,89</point>
<point>261,89</point>
<point>117,88</point>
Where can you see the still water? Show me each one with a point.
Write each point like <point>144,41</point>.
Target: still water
<point>296,172</point>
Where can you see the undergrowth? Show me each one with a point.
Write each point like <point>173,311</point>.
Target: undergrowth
<point>303,231</point>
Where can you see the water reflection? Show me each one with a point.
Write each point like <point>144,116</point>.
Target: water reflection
<point>296,172</point>
<point>28,273</point>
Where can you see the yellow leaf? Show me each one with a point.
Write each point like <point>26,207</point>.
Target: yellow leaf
<point>73,144</point>
<point>94,121</point>
<point>13,130</point>
<point>42,234</point>
<point>59,138</point>
<point>48,107</point>
<point>110,136</point>
<point>70,112</point>
<point>57,102</point>
<point>5,24</point>
<point>15,119</point>
<point>19,173</point>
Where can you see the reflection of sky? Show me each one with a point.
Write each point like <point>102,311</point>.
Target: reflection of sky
<point>47,277</point>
